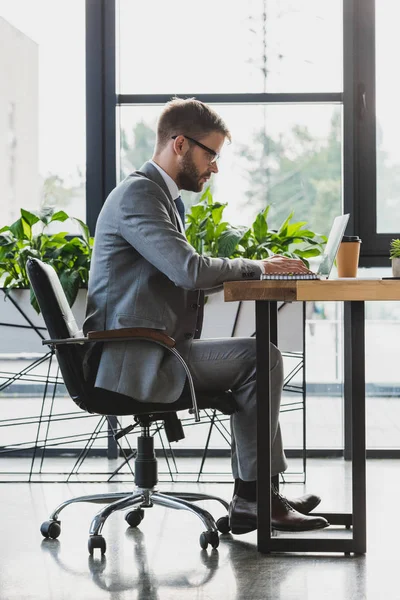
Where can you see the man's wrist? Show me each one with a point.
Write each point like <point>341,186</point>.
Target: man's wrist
<point>261,265</point>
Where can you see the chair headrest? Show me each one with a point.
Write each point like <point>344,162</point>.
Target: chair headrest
<point>51,297</point>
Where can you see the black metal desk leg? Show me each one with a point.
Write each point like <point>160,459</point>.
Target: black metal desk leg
<point>273,336</point>
<point>357,333</point>
<point>347,384</point>
<point>263,426</point>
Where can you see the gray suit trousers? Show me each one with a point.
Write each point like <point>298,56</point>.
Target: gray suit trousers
<point>230,364</point>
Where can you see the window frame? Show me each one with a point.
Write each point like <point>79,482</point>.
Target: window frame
<point>357,98</point>
<point>103,103</point>
<point>362,185</point>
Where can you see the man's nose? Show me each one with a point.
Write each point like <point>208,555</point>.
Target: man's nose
<point>214,167</point>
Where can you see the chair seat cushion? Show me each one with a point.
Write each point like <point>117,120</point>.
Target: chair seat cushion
<point>105,402</point>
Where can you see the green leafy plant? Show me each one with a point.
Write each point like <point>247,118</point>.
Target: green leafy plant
<point>211,235</point>
<point>207,232</point>
<point>29,237</point>
<point>395,248</point>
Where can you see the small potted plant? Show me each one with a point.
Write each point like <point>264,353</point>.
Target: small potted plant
<point>395,257</point>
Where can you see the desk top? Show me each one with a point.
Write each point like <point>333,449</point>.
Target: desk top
<point>329,289</point>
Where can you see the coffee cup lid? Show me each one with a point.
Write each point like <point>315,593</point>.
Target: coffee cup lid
<point>351,238</point>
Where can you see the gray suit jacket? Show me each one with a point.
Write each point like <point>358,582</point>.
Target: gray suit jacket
<point>144,273</point>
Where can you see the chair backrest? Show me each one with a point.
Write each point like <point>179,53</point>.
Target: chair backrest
<point>60,323</point>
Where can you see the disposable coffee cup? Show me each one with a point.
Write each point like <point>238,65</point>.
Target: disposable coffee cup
<point>348,256</point>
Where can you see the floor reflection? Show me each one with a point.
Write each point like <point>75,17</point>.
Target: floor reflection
<point>109,576</point>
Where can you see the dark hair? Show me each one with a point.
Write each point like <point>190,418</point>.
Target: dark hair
<point>188,117</point>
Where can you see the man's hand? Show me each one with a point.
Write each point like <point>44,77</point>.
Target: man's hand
<point>282,264</point>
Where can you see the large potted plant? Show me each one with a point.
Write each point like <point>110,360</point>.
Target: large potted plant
<point>212,236</point>
<point>36,235</point>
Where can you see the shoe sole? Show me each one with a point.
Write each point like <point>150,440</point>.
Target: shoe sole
<point>299,529</point>
<point>241,529</point>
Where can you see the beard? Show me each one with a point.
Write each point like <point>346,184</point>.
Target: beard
<point>189,176</point>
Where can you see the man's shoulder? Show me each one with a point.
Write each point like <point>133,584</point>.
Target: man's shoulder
<point>139,183</point>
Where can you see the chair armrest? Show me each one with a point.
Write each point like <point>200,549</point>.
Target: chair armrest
<point>64,341</point>
<point>130,333</point>
<point>153,335</point>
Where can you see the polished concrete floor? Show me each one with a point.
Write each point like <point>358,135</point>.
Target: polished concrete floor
<point>163,560</point>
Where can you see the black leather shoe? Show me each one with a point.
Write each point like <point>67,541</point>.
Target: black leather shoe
<point>304,504</point>
<point>285,518</point>
<point>243,516</point>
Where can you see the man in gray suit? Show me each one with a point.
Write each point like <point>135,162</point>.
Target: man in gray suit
<point>144,273</point>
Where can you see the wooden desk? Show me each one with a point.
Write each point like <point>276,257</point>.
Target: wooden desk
<point>354,293</point>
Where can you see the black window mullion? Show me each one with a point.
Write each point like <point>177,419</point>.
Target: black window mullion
<point>298,98</point>
<point>350,181</point>
<point>375,246</point>
<point>100,106</point>
<point>365,141</point>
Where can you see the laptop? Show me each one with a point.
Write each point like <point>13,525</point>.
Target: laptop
<point>327,259</point>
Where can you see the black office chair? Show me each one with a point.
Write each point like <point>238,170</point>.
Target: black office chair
<point>69,345</point>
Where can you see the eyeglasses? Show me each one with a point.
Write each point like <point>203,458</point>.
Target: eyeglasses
<point>214,155</point>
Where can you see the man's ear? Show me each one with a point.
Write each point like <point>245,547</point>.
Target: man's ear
<point>178,145</point>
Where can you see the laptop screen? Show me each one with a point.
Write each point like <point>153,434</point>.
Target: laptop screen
<point>332,245</point>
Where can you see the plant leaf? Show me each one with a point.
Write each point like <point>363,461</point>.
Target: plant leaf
<point>228,241</point>
<point>29,217</point>
<point>34,302</point>
<point>59,216</point>
<point>70,283</point>
<point>283,228</point>
<point>18,229</point>
<point>85,230</point>
<point>217,213</point>
<point>260,227</point>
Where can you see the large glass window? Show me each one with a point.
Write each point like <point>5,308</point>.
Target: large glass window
<point>387,120</point>
<point>324,359</point>
<point>42,107</point>
<point>224,46</point>
<point>289,156</point>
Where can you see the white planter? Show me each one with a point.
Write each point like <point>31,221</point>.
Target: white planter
<point>220,317</point>
<point>396,267</point>
<point>18,339</point>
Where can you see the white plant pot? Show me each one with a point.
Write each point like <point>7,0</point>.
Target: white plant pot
<point>396,267</point>
<point>21,337</point>
<point>221,321</point>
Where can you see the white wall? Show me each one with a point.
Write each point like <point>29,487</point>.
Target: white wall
<point>19,166</point>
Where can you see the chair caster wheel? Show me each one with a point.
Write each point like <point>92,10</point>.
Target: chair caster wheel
<point>96,541</point>
<point>209,537</point>
<point>223,524</point>
<point>134,517</point>
<point>50,529</point>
